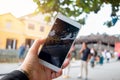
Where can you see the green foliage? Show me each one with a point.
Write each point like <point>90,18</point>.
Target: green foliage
<point>47,19</point>
<point>108,23</point>
<point>74,8</point>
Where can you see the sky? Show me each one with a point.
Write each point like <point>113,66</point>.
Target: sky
<point>17,7</point>
<point>94,22</point>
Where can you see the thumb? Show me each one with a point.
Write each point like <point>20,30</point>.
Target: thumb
<point>34,48</point>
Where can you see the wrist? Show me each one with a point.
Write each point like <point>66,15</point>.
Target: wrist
<point>26,71</point>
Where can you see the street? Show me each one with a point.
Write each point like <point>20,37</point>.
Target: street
<point>108,71</point>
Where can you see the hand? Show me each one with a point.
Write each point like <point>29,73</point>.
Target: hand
<point>35,70</point>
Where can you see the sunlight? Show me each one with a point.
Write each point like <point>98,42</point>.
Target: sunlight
<point>17,7</point>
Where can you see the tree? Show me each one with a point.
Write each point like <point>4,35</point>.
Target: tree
<point>74,8</point>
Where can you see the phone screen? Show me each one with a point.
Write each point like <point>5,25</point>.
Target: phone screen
<point>58,42</point>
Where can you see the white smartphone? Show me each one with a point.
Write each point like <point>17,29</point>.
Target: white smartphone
<point>58,43</point>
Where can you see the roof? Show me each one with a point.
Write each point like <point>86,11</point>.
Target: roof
<point>105,39</point>
<point>11,15</point>
<point>38,17</point>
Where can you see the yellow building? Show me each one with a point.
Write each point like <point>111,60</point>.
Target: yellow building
<point>14,31</point>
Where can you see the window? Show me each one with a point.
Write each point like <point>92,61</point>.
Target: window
<point>31,26</point>
<point>41,28</point>
<point>11,44</point>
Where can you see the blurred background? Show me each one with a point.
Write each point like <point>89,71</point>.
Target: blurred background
<point>23,21</point>
<point>26,20</point>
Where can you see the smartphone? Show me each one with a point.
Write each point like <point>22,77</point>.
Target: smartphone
<point>58,43</point>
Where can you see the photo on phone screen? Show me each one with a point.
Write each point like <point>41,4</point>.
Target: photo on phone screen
<point>58,42</point>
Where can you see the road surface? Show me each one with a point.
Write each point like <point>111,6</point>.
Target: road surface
<point>109,71</point>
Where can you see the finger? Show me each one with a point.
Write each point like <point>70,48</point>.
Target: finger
<point>55,75</point>
<point>36,45</point>
<point>69,56</point>
<point>48,74</point>
<point>59,73</point>
<point>67,61</point>
<point>71,49</point>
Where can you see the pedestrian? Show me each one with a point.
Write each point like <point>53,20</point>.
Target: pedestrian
<point>74,53</point>
<point>118,56</point>
<point>85,51</point>
<point>93,57</point>
<point>108,56</point>
<point>66,71</point>
<point>21,52</point>
<point>102,56</point>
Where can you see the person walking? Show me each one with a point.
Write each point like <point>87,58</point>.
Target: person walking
<point>74,56</point>
<point>21,52</point>
<point>66,71</point>
<point>108,56</point>
<point>93,57</point>
<point>85,51</point>
<point>102,57</point>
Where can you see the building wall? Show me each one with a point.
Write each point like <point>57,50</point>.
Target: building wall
<point>16,31</point>
<point>34,30</point>
<point>10,28</point>
<point>39,30</point>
